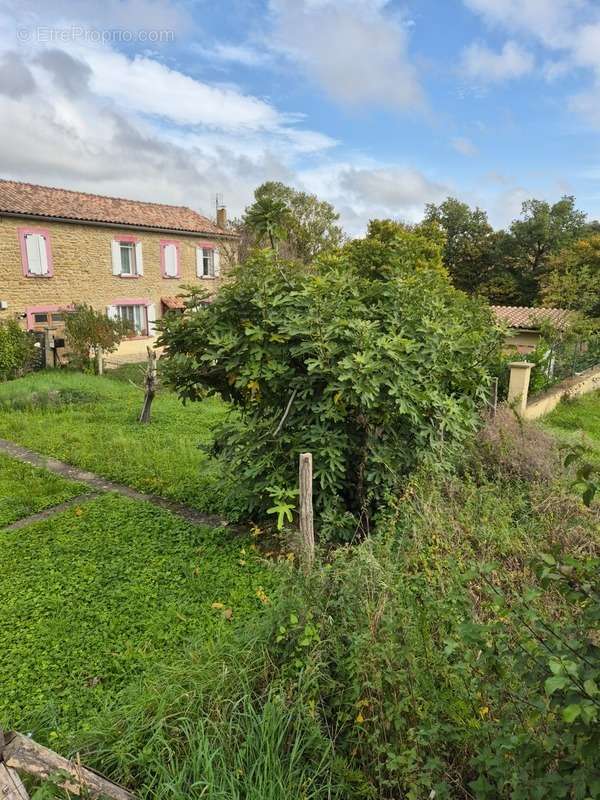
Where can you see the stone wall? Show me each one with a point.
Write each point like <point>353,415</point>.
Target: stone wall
<point>583,383</point>
<point>82,268</point>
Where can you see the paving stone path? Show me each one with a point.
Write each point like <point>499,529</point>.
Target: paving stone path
<point>99,485</point>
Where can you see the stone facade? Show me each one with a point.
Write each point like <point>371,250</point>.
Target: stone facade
<point>83,272</point>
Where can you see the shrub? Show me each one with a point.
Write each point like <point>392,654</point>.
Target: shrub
<point>369,359</point>
<point>87,330</point>
<point>509,447</point>
<point>16,350</point>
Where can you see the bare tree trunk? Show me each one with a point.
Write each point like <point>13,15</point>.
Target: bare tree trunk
<point>307,533</point>
<point>150,385</point>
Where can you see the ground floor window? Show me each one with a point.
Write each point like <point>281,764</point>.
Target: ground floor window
<point>137,318</point>
<point>41,317</point>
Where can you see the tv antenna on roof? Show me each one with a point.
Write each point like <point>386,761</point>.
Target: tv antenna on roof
<point>219,201</point>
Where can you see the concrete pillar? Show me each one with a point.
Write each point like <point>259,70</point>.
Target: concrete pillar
<point>518,384</point>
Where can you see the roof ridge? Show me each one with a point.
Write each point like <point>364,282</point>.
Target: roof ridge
<point>531,308</point>
<point>94,194</point>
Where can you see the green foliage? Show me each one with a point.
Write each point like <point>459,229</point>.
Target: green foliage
<point>558,699</point>
<point>370,360</point>
<point>541,232</point>
<point>306,224</point>
<point>268,218</point>
<point>25,490</point>
<point>410,664</point>
<point>509,267</point>
<point>587,475</point>
<point>87,330</point>
<point>16,350</point>
<point>573,277</point>
<point>468,245</point>
<point>98,595</point>
<point>91,422</point>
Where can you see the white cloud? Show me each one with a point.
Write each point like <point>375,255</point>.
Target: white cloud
<point>357,50</point>
<point>482,64</point>
<point>464,146</point>
<point>147,86</point>
<point>370,190</point>
<point>244,54</point>
<point>548,20</point>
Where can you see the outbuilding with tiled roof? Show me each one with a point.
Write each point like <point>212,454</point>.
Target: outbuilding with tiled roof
<point>525,323</point>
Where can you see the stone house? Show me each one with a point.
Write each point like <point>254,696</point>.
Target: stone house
<point>129,258</point>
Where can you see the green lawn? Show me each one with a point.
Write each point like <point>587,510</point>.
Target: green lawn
<point>91,422</point>
<point>577,419</point>
<point>25,490</point>
<point>102,593</point>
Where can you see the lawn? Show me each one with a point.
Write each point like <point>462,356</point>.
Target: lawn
<point>578,419</point>
<point>91,422</point>
<point>102,593</point>
<point>24,490</point>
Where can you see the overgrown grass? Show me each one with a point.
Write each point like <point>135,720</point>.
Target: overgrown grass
<point>375,676</point>
<point>24,490</point>
<point>91,422</point>
<point>99,594</point>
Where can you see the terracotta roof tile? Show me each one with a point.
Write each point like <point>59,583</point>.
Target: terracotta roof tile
<point>531,318</point>
<point>175,303</point>
<point>46,201</point>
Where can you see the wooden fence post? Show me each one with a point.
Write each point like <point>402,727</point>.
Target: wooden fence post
<point>307,532</point>
<point>100,361</point>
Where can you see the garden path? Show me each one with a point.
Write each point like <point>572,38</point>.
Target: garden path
<point>99,485</point>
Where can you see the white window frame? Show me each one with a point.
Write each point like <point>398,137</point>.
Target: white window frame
<point>207,261</point>
<point>136,261</point>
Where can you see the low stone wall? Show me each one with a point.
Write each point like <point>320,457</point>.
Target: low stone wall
<point>583,383</point>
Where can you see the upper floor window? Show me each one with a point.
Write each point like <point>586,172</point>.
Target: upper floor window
<point>207,261</point>
<point>127,260</point>
<point>36,255</point>
<point>169,259</point>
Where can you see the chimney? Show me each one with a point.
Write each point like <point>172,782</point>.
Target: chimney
<point>221,212</point>
<point>222,217</point>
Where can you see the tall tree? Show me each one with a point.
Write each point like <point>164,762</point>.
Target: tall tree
<point>310,224</point>
<point>469,240</point>
<point>573,277</point>
<point>268,218</point>
<point>540,233</point>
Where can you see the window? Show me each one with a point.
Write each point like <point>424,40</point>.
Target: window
<point>169,259</point>
<point>138,312</point>
<point>41,317</point>
<point>127,261</point>
<point>207,261</point>
<point>127,258</point>
<point>36,256</point>
<point>136,317</point>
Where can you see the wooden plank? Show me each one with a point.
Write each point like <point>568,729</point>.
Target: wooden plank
<point>11,786</point>
<point>26,755</point>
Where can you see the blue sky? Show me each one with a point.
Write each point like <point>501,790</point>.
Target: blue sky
<point>380,107</point>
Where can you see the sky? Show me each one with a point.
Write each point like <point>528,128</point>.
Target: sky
<point>379,106</point>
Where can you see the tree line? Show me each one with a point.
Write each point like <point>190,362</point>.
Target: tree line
<point>548,256</point>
